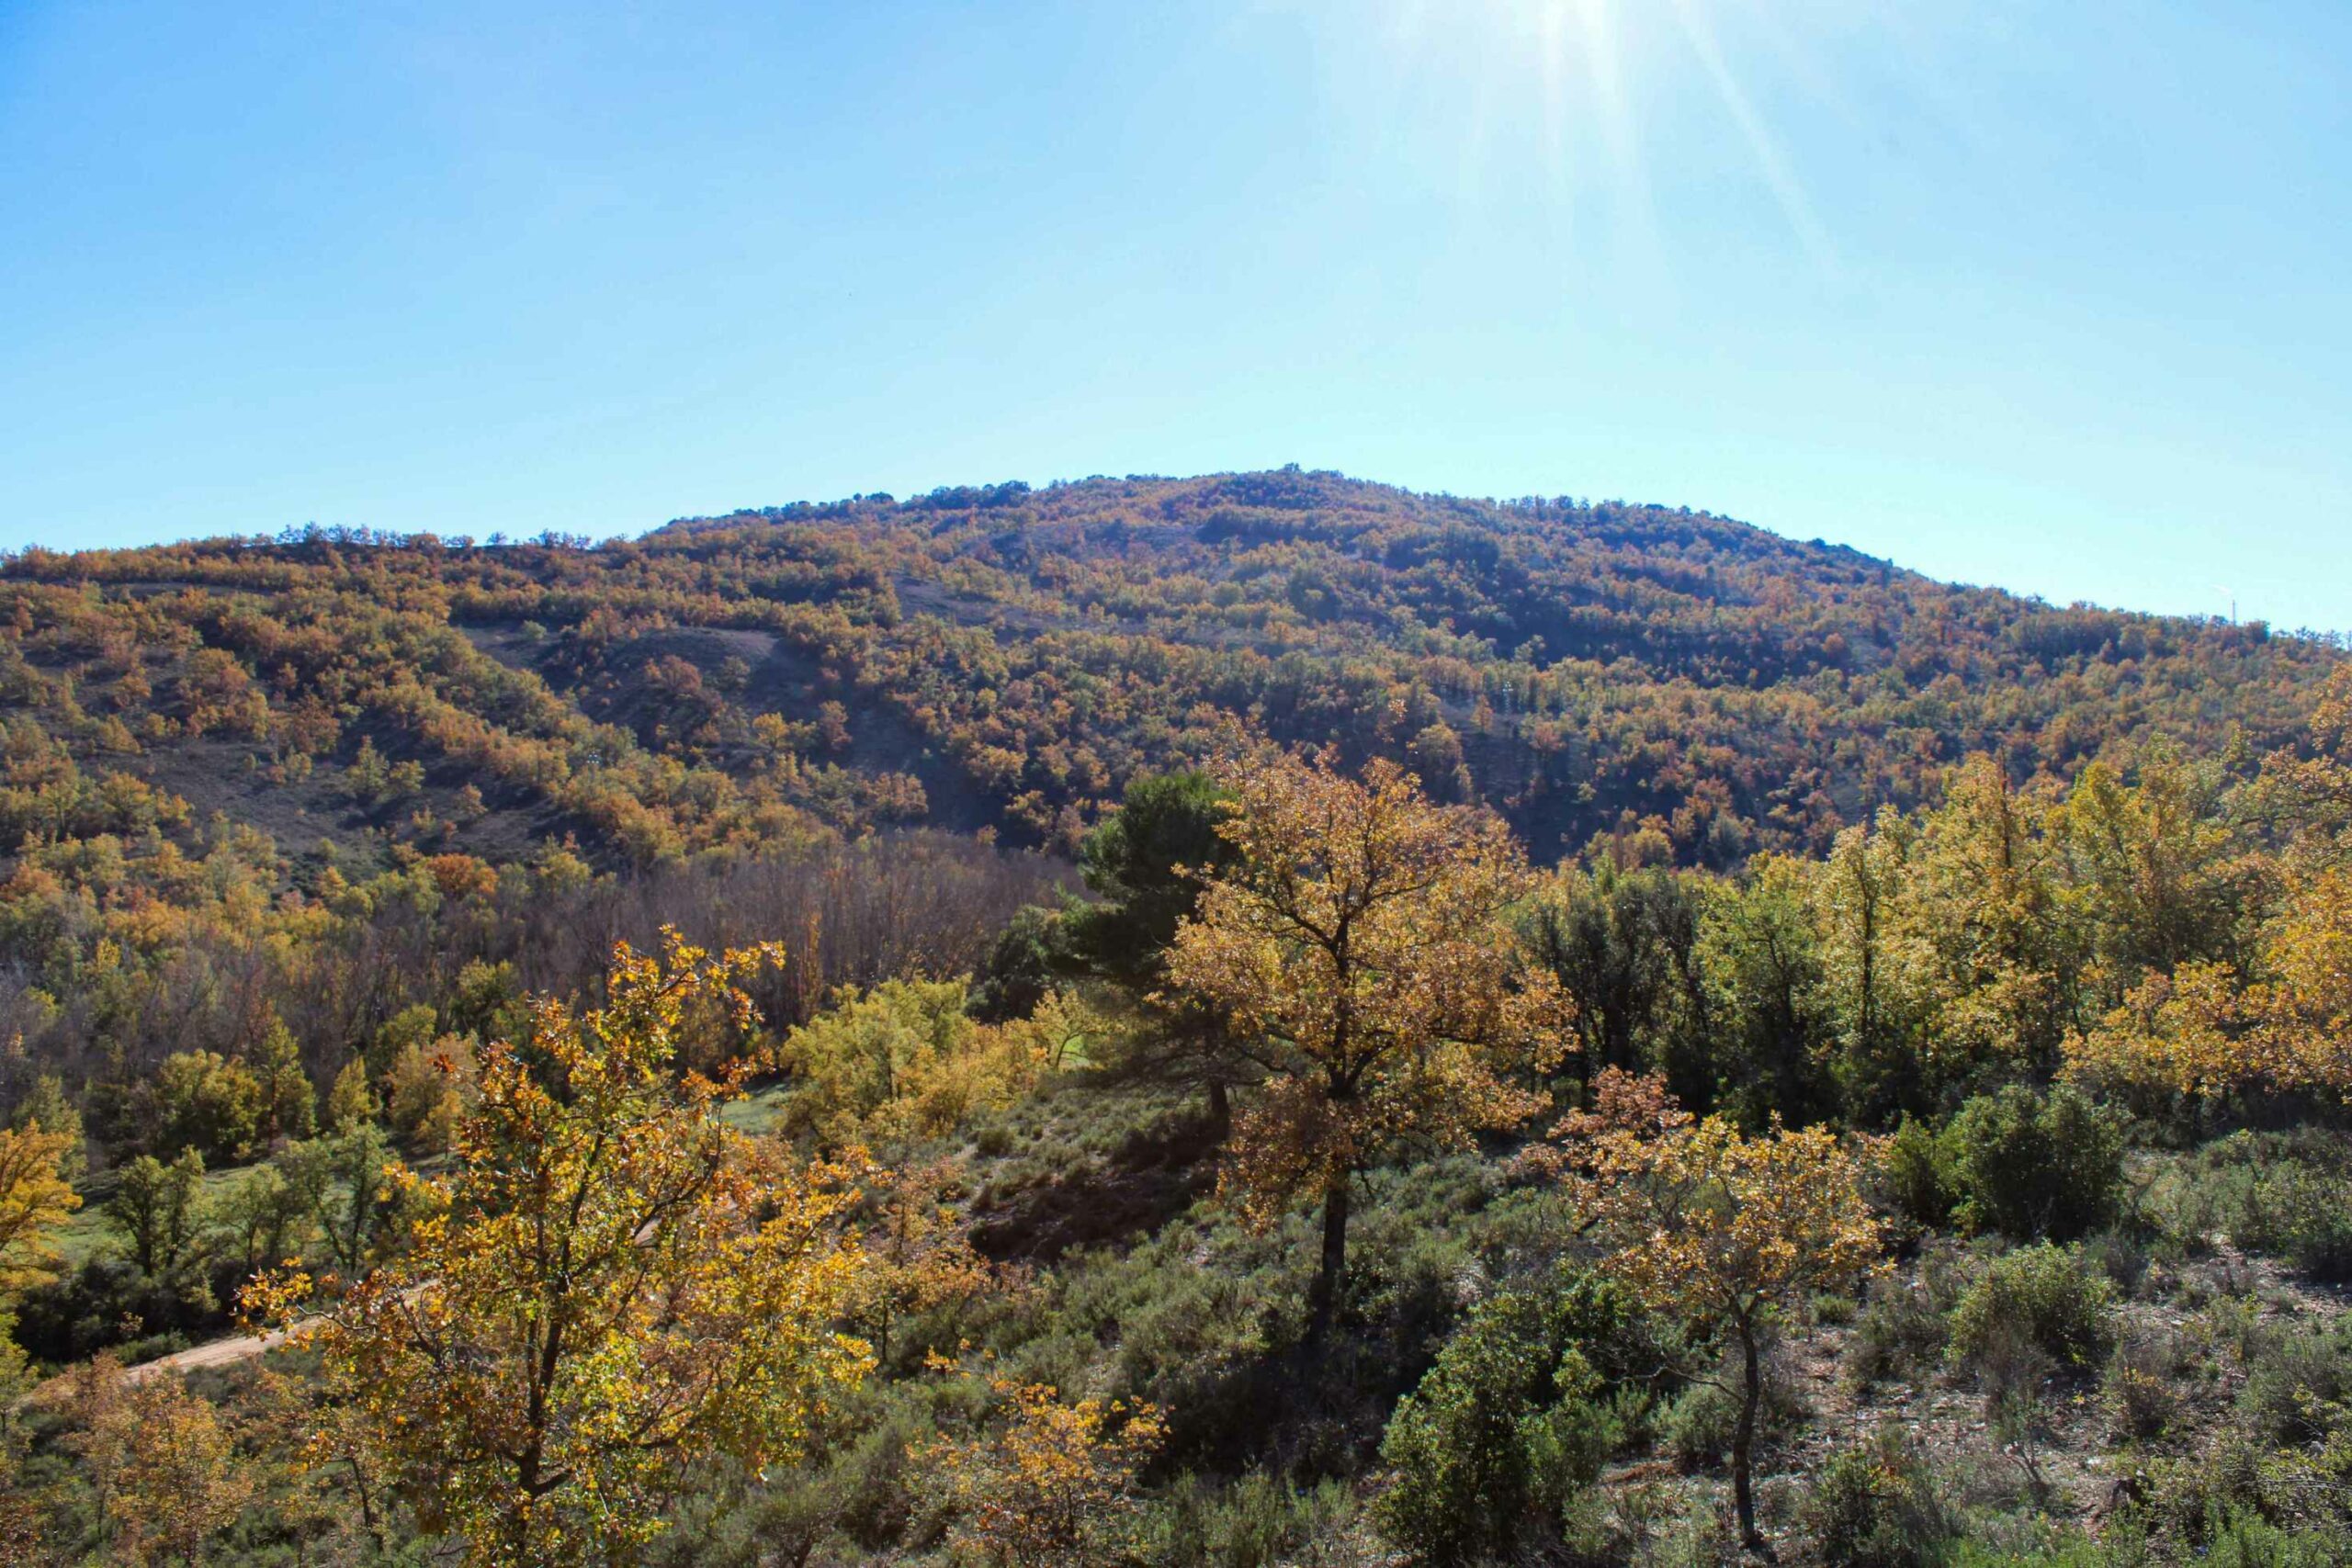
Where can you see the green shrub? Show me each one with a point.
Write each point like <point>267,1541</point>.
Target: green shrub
<point>1257,1522</point>
<point>1918,1177</point>
<point>2299,1382</point>
<point>2032,1164</point>
<point>2045,1296</point>
<point>2305,1213</point>
<point>1697,1427</point>
<point>1498,1436</point>
<point>2143,1385</point>
<point>1874,1505</point>
<point>1905,1324</point>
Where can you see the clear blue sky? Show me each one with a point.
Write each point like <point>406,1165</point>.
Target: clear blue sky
<point>2057,296</point>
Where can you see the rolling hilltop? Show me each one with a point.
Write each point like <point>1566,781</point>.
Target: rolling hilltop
<point>1975,1177</point>
<point>1006,659</point>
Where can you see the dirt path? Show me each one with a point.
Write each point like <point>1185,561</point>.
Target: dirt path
<point>219,1353</point>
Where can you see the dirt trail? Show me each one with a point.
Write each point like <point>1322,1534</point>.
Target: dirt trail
<point>219,1353</point>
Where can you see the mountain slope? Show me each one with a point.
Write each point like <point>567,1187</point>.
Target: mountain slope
<point>998,658</point>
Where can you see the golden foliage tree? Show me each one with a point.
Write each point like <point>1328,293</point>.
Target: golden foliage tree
<point>34,1201</point>
<point>904,1060</point>
<point>611,1286</point>
<point>1719,1227</point>
<point>919,1254</point>
<point>1359,938</point>
<point>165,1469</point>
<point>1051,1489</point>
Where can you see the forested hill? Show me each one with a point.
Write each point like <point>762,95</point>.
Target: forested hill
<point>1003,658</point>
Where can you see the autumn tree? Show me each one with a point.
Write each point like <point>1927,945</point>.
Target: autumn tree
<point>1051,1488</point>
<point>163,1461</point>
<point>1718,1227</point>
<point>1988,918</point>
<point>34,1201</point>
<point>2282,1021</point>
<point>905,1060</point>
<point>919,1254</point>
<point>610,1287</point>
<point>2161,871</point>
<point>1360,947</point>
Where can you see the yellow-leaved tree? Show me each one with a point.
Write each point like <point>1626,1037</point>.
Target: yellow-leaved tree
<point>609,1287</point>
<point>34,1201</point>
<point>166,1467</point>
<point>2208,1031</point>
<point>1052,1488</point>
<point>1718,1227</point>
<point>1361,948</point>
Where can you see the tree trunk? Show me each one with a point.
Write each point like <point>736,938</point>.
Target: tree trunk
<point>1743,1442</point>
<point>1325,1293</point>
<point>1220,1105</point>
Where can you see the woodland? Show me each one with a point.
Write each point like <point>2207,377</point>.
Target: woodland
<point>1245,1020</point>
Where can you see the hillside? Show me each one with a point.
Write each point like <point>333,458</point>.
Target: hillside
<point>314,779</point>
<point>1008,658</point>
<point>1350,1177</point>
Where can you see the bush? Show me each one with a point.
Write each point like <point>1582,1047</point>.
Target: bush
<point>2032,1165</point>
<point>2143,1391</point>
<point>2044,1296</point>
<point>2304,1213</point>
<point>1501,1433</point>
<point>1906,1324</point>
<point>1257,1522</point>
<point>1918,1177</point>
<point>1697,1427</point>
<point>2299,1383</point>
<point>1874,1505</point>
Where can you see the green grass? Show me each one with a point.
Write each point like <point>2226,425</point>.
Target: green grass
<point>758,1112</point>
<point>90,1232</point>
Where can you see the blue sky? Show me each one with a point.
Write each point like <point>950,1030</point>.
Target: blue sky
<point>2049,295</point>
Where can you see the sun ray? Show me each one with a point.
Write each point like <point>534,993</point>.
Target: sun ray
<point>1612,116</point>
<point>1698,32</point>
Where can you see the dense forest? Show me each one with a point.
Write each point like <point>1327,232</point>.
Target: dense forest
<point>1244,1021</point>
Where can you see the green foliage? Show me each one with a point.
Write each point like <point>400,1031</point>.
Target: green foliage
<point>2299,1383</point>
<point>2043,1296</point>
<point>1019,970</point>
<point>1145,865</point>
<point>1874,1505</point>
<point>2304,1212</point>
<point>154,1206</point>
<point>1759,949</point>
<point>1258,1521</point>
<point>1918,1177</point>
<point>1696,1428</point>
<point>2028,1163</point>
<point>1504,1428</point>
<point>342,1179</point>
<point>1905,1324</point>
<point>207,1103</point>
<point>289,1105</point>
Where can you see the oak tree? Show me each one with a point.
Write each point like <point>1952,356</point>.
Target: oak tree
<point>1359,946</point>
<point>1719,1227</point>
<point>609,1287</point>
<point>1050,1489</point>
